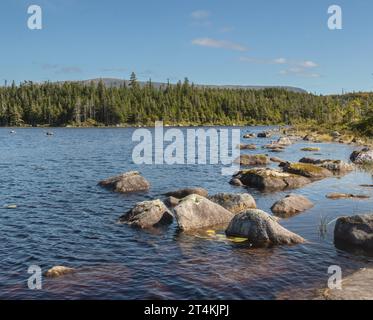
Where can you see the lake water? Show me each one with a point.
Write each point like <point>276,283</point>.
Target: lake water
<point>64,218</point>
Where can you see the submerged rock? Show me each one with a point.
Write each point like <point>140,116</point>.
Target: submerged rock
<point>182,193</point>
<point>234,202</point>
<point>148,214</point>
<point>261,229</point>
<point>58,271</point>
<point>127,182</point>
<point>356,231</point>
<point>307,170</point>
<point>336,196</point>
<point>291,205</point>
<point>357,286</point>
<point>363,156</point>
<point>196,212</point>
<point>310,149</point>
<point>270,179</point>
<point>252,160</point>
<point>277,160</point>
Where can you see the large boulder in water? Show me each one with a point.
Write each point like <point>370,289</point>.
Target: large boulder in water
<point>354,232</point>
<point>127,182</point>
<point>291,205</point>
<point>270,179</point>
<point>196,212</point>
<point>307,170</point>
<point>252,160</point>
<point>363,156</point>
<point>148,214</point>
<point>234,202</point>
<point>260,229</point>
<point>182,193</point>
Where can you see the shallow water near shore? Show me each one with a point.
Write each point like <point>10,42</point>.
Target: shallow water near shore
<point>63,218</point>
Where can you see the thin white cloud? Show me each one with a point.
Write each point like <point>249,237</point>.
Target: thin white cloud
<point>264,61</point>
<point>280,61</point>
<point>308,64</point>
<point>200,14</point>
<point>300,72</point>
<point>295,68</point>
<point>222,44</point>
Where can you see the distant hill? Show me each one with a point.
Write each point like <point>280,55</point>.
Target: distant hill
<point>112,82</point>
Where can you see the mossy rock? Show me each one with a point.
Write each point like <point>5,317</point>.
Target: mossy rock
<point>308,170</point>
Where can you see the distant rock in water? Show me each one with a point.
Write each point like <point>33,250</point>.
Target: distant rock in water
<point>261,229</point>
<point>252,160</point>
<point>249,135</point>
<point>148,214</point>
<point>234,202</point>
<point>363,156</point>
<point>58,271</point>
<point>264,134</point>
<point>127,182</point>
<point>196,212</point>
<point>247,147</point>
<point>270,179</point>
<point>354,232</point>
<point>291,205</point>
<point>182,193</point>
<point>284,141</point>
<point>336,196</point>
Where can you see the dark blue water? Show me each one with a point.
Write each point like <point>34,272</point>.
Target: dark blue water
<point>64,218</point>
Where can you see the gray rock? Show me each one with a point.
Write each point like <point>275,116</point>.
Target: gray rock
<point>363,156</point>
<point>148,214</point>
<point>234,202</point>
<point>126,182</point>
<point>261,229</point>
<point>284,141</point>
<point>270,179</point>
<point>182,193</point>
<point>196,212</point>
<point>356,231</point>
<point>291,205</point>
<point>171,202</point>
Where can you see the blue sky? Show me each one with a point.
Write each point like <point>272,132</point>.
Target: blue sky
<point>248,42</point>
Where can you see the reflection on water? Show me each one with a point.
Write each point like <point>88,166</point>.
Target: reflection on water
<point>63,218</point>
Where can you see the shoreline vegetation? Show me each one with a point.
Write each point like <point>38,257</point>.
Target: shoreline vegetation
<point>86,105</point>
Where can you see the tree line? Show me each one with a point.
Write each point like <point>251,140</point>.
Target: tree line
<point>82,104</point>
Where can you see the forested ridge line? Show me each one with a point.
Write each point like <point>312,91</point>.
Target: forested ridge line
<point>82,104</point>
